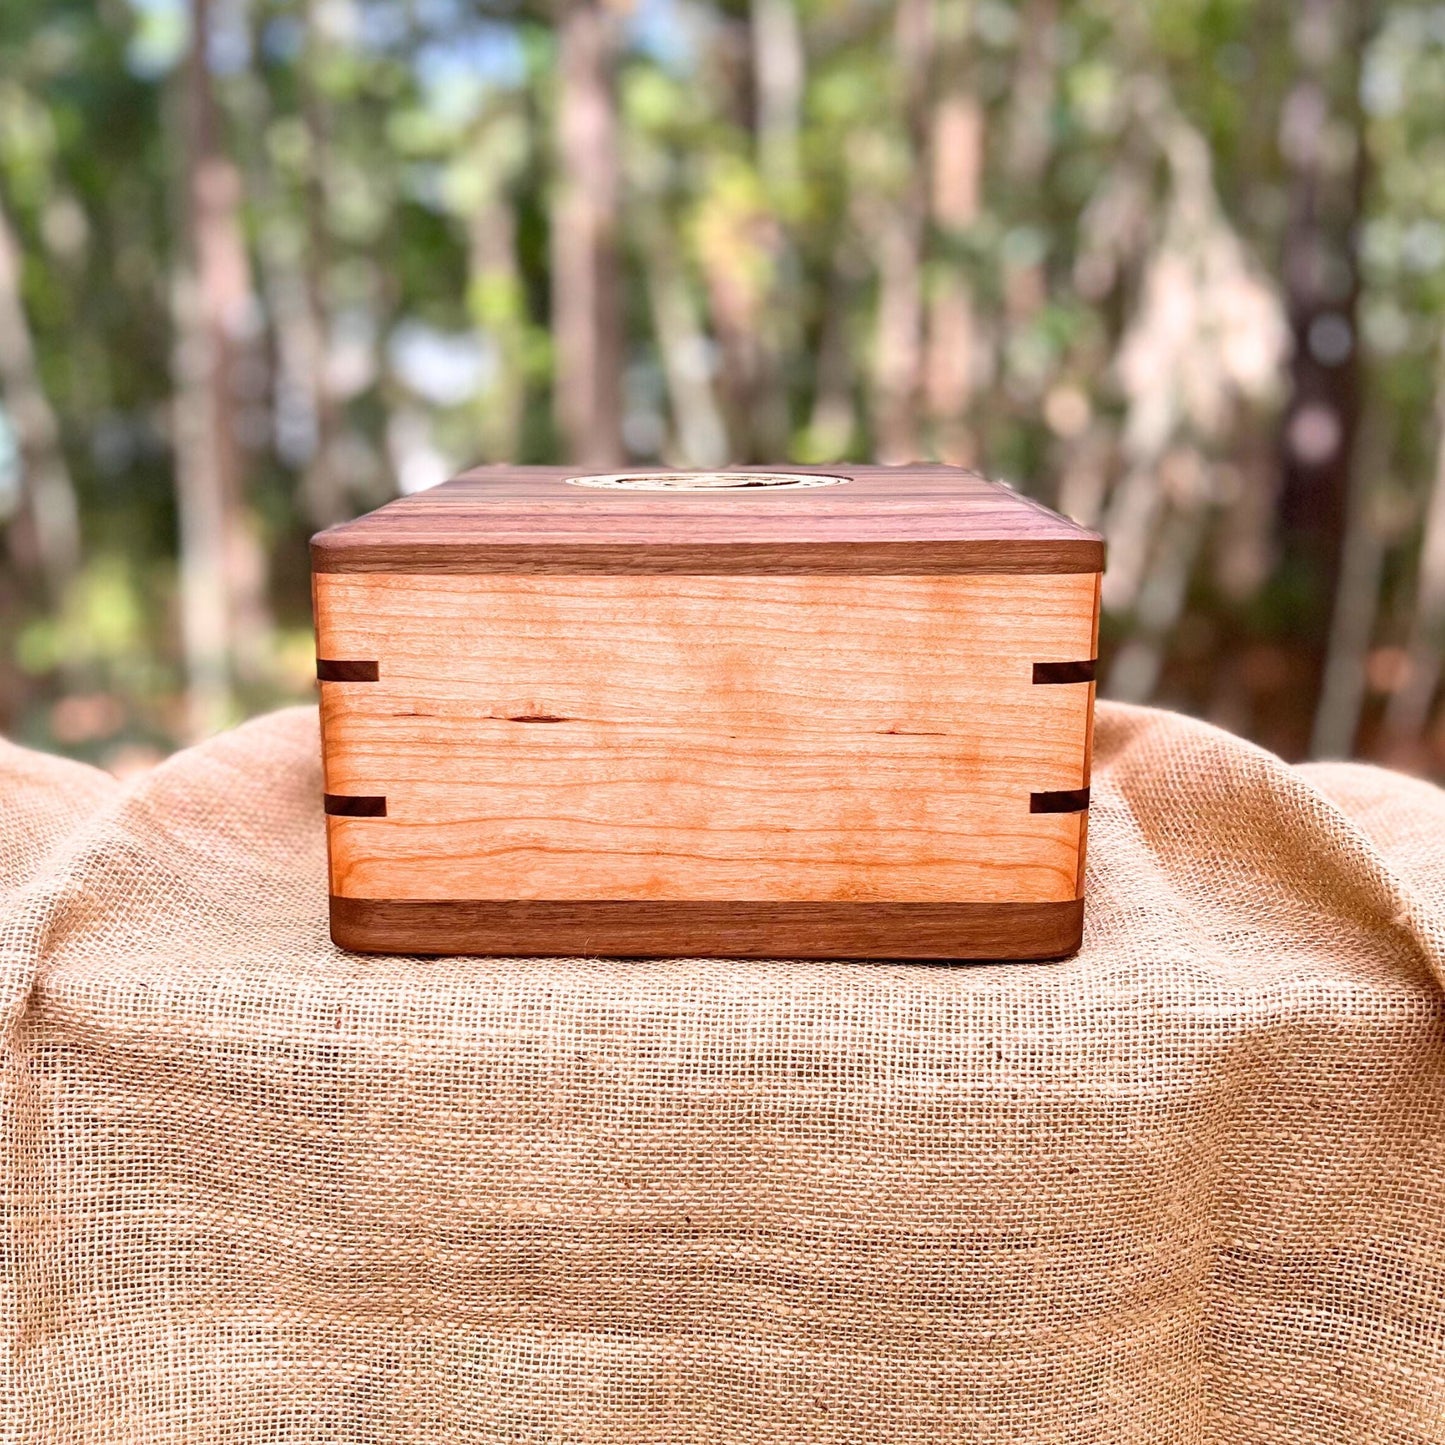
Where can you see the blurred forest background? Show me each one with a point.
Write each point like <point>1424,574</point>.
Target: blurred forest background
<point>1177,269</point>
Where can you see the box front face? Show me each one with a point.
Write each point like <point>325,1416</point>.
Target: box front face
<point>782,739</point>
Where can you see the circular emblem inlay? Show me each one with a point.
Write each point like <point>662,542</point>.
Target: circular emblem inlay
<point>704,481</point>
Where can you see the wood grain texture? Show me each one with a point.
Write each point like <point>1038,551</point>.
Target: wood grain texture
<point>710,738</point>
<point>700,930</point>
<point>917,520</point>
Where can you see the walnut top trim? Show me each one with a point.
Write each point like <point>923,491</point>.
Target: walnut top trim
<point>887,520</point>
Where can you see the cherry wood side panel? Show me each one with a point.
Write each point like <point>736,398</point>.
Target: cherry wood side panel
<point>779,738</point>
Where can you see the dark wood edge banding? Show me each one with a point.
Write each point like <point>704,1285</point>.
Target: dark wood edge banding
<point>353,805</point>
<point>1059,672</point>
<point>1066,800</point>
<point>996,555</point>
<point>330,669</point>
<point>691,929</point>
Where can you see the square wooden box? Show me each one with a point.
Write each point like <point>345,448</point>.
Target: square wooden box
<point>661,714</point>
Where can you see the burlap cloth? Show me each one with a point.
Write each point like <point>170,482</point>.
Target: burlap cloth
<point>1186,1187</point>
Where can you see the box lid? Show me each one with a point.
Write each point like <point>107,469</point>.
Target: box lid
<point>911,519</point>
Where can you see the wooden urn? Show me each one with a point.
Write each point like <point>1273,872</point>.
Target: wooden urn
<point>813,714</point>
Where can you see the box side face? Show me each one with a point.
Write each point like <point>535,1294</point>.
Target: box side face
<point>706,739</point>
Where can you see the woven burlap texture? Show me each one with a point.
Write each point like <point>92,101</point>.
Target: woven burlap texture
<point>1186,1187</point>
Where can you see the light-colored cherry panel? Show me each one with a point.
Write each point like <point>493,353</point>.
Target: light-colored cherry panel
<point>719,737</point>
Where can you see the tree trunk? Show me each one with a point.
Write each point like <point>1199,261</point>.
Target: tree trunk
<point>832,420</point>
<point>497,301</point>
<point>586,309</point>
<point>1321,276</point>
<point>1031,104</point>
<point>779,72</point>
<point>698,426</point>
<point>498,304</point>
<point>1138,665</point>
<point>1030,144</point>
<point>323,485</point>
<point>45,536</point>
<point>222,569</point>
<point>779,75</point>
<point>1356,604</point>
<point>899,232</point>
<point>899,342</point>
<point>957,184</point>
<point>732,262</point>
<point>1408,713</point>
